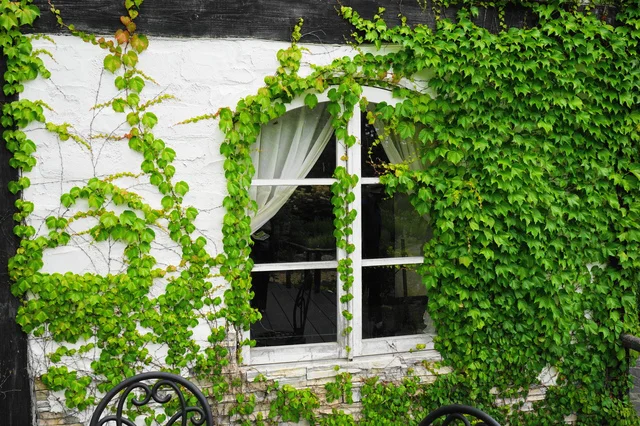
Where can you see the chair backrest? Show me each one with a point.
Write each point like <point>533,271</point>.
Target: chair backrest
<point>154,388</point>
<point>459,412</point>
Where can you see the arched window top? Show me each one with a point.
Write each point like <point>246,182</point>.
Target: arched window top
<point>372,94</point>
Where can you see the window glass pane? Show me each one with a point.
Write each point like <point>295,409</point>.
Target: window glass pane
<point>393,302</point>
<point>373,154</point>
<point>290,146</point>
<point>297,307</point>
<point>391,227</point>
<point>326,164</point>
<point>301,230</point>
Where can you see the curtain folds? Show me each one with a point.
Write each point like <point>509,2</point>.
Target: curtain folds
<point>399,150</point>
<point>287,148</point>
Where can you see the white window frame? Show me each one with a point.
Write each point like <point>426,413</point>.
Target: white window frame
<point>359,347</point>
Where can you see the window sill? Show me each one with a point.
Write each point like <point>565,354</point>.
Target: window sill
<point>306,372</point>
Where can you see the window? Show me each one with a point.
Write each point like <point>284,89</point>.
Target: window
<point>295,280</point>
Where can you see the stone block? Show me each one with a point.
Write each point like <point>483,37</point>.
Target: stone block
<point>39,386</point>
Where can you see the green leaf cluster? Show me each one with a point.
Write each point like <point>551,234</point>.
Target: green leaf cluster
<point>113,318</point>
<point>22,63</point>
<point>528,143</point>
<point>527,140</point>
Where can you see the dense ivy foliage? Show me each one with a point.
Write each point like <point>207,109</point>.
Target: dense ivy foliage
<point>529,175</point>
<point>530,178</point>
<point>529,154</point>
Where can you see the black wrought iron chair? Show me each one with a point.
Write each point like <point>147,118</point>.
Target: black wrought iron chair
<point>155,387</point>
<point>459,412</point>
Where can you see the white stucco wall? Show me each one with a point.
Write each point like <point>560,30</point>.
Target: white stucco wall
<point>203,75</point>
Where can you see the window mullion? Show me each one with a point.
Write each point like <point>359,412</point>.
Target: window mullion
<point>343,342</point>
<point>353,167</point>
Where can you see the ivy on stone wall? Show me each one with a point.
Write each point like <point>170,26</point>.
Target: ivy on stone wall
<point>529,175</point>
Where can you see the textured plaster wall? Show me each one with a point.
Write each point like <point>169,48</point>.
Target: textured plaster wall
<point>203,75</point>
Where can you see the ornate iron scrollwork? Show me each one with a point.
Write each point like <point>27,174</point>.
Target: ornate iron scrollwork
<point>459,412</point>
<point>161,388</point>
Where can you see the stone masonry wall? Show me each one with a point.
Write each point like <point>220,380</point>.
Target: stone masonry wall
<point>312,376</point>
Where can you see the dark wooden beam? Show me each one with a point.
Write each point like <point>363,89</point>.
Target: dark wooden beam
<point>15,387</point>
<point>630,341</point>
<point>264,19</point>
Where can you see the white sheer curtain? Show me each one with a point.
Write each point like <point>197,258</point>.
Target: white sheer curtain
<point>399,150</point>
<point>287,148</point>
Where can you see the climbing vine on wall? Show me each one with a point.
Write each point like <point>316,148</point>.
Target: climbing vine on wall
<point>529,170</point>
<point>112,319</point>
<point>529,175</point>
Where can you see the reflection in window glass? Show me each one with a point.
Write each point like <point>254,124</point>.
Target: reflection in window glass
<point>394,302</point>
<point>301,231</point>
<point>373,155</point>
<point>391,149</point>
<point>391,227</point>
<point>297,307</point>
<point>326,164</point>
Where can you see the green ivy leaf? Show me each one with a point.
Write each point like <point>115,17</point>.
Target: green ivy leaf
<point>168,154</point>
<point>406,129</point>
<point>182,188</point>
<point>133,99</point>
<point>119,105</point>
<point>167,202</point>
<point>465,260</point>
<point>130,59</point>
<point>8,20</point>
<point>311,100</point>
<point>14,187</point>
<point>132,118</point>
<point>136,84</point>
<point>112,63</point>
<point>139,42</point>
<point>95,200</point>
<point>108,220</point>
<point>27,14</point>
<point>455,156</point>
<point>120,83</point>
<point>67,200</point>
<point>128,217</point>
<point>149,120</point>
<point>51,222</point>
<point>148,235</point>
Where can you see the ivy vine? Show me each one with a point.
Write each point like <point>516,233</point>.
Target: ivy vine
<point>530,177</point>
<point>103,317</point>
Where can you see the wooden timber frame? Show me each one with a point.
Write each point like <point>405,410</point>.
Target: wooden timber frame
<point>259,19</point>
<point>263,19</point>
<point>15,386</point>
